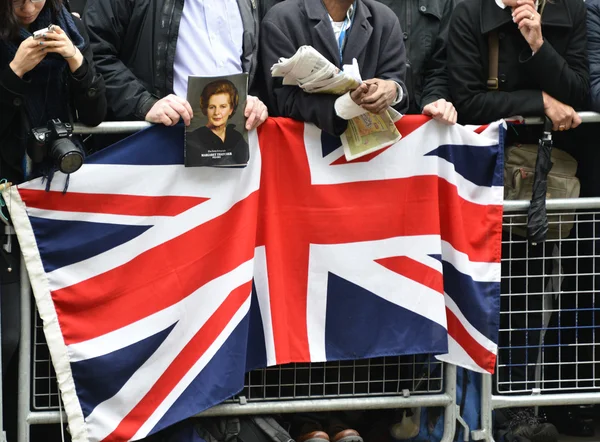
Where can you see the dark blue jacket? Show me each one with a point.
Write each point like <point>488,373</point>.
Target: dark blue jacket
<point>593,31</point>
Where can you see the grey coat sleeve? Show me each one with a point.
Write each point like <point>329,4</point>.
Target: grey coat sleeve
<point>391,64</point>
<point>291,101</point>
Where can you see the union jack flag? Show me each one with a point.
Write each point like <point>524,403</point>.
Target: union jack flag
<point>160,286</point>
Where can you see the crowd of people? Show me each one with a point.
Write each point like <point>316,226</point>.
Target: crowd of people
<point>130,60</point>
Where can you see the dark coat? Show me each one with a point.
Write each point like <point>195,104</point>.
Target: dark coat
<point>425,26</point>
<point>593,29</point>
<point>375,40</point>
<point>135,51</point>
<point>203,140</point>
<point>560,67</point>
<point>86,89</point>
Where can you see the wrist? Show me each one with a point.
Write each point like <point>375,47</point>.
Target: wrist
<point>537,45</point>
<point>546,100</point>
<point>75,61</point>
<point>18,72</point>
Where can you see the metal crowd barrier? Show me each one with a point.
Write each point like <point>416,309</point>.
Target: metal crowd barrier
<point>379,383</point>
<point>549,345</point>
<point>532,369</point>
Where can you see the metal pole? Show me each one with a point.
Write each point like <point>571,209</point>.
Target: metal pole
<point>2,432</point>
<point>112,127</point>
<point>308,405</point>
<point>24,391</point>
<point>558,204</point>
<point>450,409</point>
<point>586,117</point>
<point>545,400</point>
<point>487,428</point>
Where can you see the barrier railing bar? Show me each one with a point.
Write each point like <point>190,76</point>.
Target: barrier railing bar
<point>112,127</point>
<point>534,400</point>
<point>555,204</point>
<point>292,406</point>
<point>115,127</point>
<point>586,117</point>
<point>24,379</point>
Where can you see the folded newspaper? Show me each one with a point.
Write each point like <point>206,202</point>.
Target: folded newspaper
<point>312,72</point>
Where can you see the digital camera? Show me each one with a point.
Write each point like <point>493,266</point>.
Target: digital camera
<point>54,141</point>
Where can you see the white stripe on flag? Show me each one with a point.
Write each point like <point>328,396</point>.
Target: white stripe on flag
<point>193,312</point>
<point>185,382</point>
<point>355,262</point>
<point>261,282</point>
<point>479,271</point>
<point>476,334</point>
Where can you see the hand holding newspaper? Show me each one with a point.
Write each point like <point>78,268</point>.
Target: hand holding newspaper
<point>366,132</point>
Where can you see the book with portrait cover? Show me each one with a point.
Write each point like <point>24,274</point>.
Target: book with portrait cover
<point>217,135</point>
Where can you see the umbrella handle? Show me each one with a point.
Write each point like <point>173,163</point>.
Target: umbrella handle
<point>547,129</point>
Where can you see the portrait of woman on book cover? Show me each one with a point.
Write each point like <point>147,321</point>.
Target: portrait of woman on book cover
<point>219,101</point>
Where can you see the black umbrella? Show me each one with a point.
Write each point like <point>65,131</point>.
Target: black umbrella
<point>537,218</point>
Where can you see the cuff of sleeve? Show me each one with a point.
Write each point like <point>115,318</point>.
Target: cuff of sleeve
<point>81,72</point>
<point>346,108</point>
<point>534,60</point>
<point>399,94</point>
<point>145,107</point>
<point>12,82</point>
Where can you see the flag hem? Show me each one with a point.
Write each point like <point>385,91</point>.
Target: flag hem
<point>43,297</point>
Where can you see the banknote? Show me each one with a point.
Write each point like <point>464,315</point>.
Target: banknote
<point>367,133</point>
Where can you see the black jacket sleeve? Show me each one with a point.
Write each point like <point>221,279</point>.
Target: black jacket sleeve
<point>291,101</point>
<point>107,22</point>
<point>467,75</point>
<point>593,30</point>
<point>12,96</point>
<point>566,79</point>
<point>435,81</point>
<point>87,86</point>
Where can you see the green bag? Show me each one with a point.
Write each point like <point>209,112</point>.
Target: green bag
<point>519,171</point>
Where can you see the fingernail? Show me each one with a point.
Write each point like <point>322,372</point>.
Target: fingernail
<point>41,43</point>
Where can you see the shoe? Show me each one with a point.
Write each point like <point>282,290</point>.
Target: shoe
<point>347,435</point>
<point>339,432</point>
<point>313,436</point>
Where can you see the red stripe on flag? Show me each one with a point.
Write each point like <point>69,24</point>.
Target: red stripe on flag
<point>480,355</point>
<point>133,205</point>
<point>182,364</point>
<point>159,277</point>
<point>415,270</point>
<point>474,229</point>
<point>409,123</point>
<point>295,213</point>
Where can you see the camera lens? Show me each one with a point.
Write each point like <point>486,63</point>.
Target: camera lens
<point>66,155</point>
